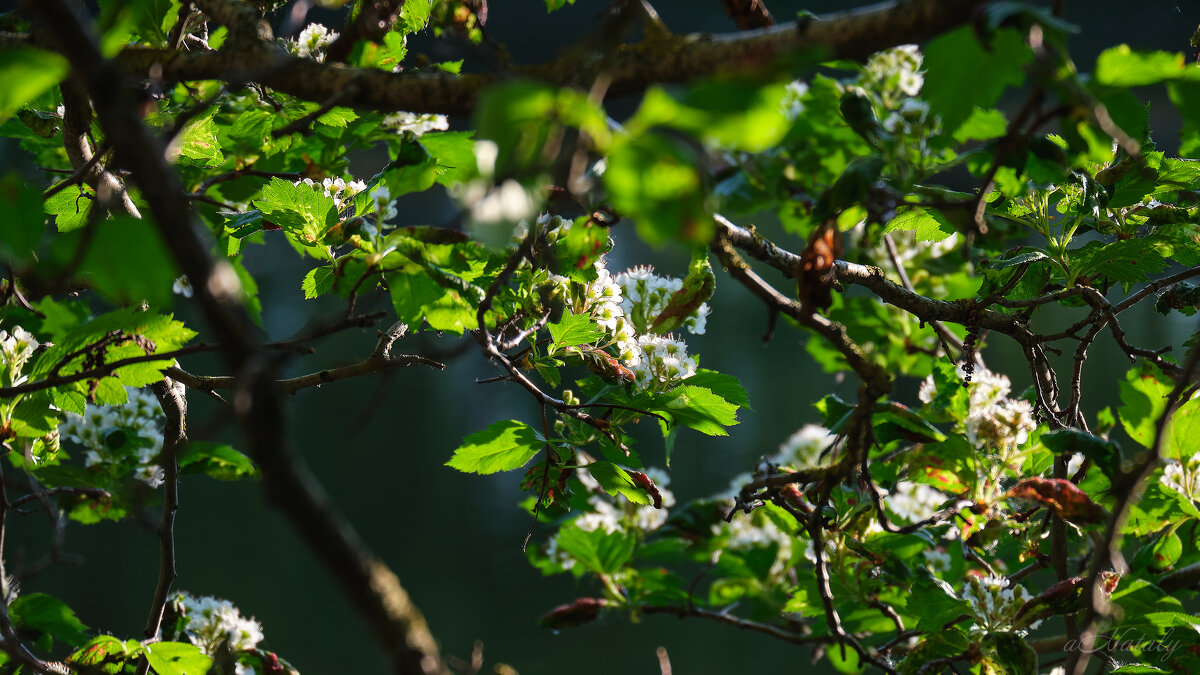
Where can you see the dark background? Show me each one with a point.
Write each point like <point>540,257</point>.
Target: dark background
<point>454,540</point>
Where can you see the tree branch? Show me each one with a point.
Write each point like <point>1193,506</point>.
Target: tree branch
<point>850,35</point>
<point>174,406</point>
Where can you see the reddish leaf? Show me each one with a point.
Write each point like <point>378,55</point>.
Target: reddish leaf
<point>1063,497</point>
<point>643,481</point>
<point>583,610</point>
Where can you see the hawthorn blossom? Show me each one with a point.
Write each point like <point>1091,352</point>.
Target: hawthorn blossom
<point>137,419</point>
<point>663,362</point>
<point>418,123</point>
<point>995,601</point>
<point>212,622</point>
<point>15,351</point>
<point>313,41</point>
<point>1183,476</point>
<point>896,69</point>
<point>804,449</point>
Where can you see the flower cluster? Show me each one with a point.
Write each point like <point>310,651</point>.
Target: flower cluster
<point>417,123</point>
<point>1183,477</point>
<point>995,602</point>
<point>915,502</point>
<point>337,189</point>
<point>313,41</point>
<point>382,204</point>
<point>895,70</point>
<point>994,421</point>
<point>805,449</point>
<point>122,435</point>
<point>625,306</point>
<point>609,517</point>
<point>792,104</point>
<point>15,351</point>
<point>646,296</point>
<point>212,622</point>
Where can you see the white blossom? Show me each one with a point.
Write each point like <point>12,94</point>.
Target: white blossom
<point>15,351</point>
<point>1183,477</point>
<point>663,362</point>
<point>995,602</point>
<point>803,449</point>
<point>914,502</point>
<point>182,286</point>
<point>313,41</point>
<point>898,68</point>
<point>383,204</point>
<point>418,123</point>
<point>139,416</point>
<point>793,99</point>
<point>211,622</point>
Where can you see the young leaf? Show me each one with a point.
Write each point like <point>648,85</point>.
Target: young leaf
<point>616,480</point>
<point>177,658</point>
<point>573,330</point>
<point>503,446</point>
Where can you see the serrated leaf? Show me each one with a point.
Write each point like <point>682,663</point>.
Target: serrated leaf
<point>726,386</point>
<point>616,480</point>
<point>116,242</point>
<point>25,73</point>
<point>929,224</point>
<point>574,329</point>
<point>301,210</point>
<point>962,75</point>
<point>1184,438</point>
<point>197,144</point>
<point>317,282</point>
<point>699,408</point>
<point>503,446</point>
<point>47,614</point>
<point>70,208</point>
<point>177,658</point>
<point>1121,66</point>
<point>215,460</point>
<point>600,551</point>
<point>1144,398</point>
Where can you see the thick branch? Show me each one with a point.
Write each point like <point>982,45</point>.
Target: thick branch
<point>632,68</point>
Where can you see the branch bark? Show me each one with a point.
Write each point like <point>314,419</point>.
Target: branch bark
<point>632,67</point>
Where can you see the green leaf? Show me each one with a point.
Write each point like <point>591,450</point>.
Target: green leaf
<point>654,179</point>
<point>600,551</point>
<point>177,658</point>
<point>929,224</point>
<point>26,73</point>
<point>937,600</point>
<point>118,241</point>
<point>415,14</point>
<point>699,408</point>
<point>616,480</point>
<point>47,614</point>
<point>1104,454</point>
<point>574,329</point>
<point>1184,438</point>
<point>70,207</point>
<point>726,386</point>
<point>215,460</point>
<point>1121,66</point>
<point>737,114</point>
<point>962,75</point>
<point>555,5</point>
<point>454,152</point>
<point>1144,398</point>
<point>503,446</point>
<point>982,125</point>
<point>22,226</point>
<point>301,210</point>
<point>103,650</point>
<point>197,144</point>
<point>317,282</point>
